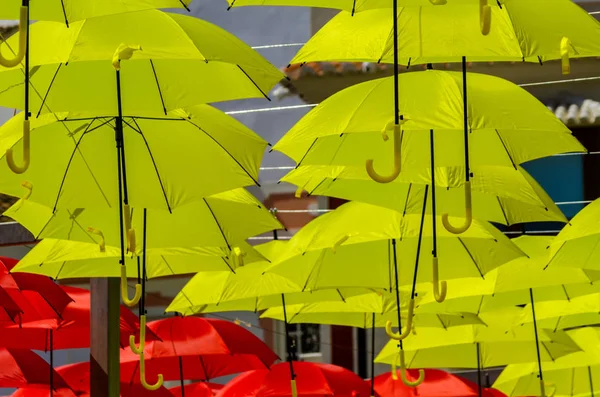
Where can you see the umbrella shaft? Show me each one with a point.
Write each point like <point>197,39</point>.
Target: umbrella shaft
<point>433,217</point>
<point>479,389</point>
<point>287,338</point>
<point>537,342</point>
<point>396,71</point>
<point>414,285</point>
<point>466,117</point>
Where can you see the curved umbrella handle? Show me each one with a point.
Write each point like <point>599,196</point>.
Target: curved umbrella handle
<point>99,233</point>
<point>565,45</point>
<point>485,17</point>
<point>400,357</point>
<point>132,345</point>
<point>397,159</point>
<point>294,388</point>
<point>440,296</point>
<point>407,327</point>
<point>147,386</point>
<point>23,21</point>
<point>468,213</point>
<point>29,189</point>
<point>10,159</point>
<point>125,294</point>
<point>131,244</point>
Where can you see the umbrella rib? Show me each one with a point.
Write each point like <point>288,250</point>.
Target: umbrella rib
<point>75,150</point>
<point>503,212</point>
<point>62,3</point>
<point>185,6</point>
<point>306,153</point>
<point>505,149</point>
<point>471,256</point>
<point>319,184</point>
<point>406,201</point>
<point>217,223</point>
<point>228,265</point>
<point>226,151</point>
<point>162,187</point>
<point>49,88</point>
<point>162,100</point>
<point>253,82</point>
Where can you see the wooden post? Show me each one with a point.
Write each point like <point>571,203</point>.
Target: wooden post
<point>104,337</point>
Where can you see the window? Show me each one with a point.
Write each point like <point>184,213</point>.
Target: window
<point>305,340</point>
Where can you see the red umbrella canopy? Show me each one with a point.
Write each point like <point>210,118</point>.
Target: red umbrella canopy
<point>312,379</point>
<point>437,384</point>
<point>491,392</point>
<point>37,297</point>
<point>188,336</point>
<point>24,368</point>
<point>78,378</point>
<point>198,389</point>
<point>71,331</point>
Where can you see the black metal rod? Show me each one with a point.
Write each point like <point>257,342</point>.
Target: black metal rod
<point>397,290</point>
<point>396,66</point>
<point>144,255</point>
<point>51,362</point>
<point>119,127</point>
<point>433,214</point>
<point>373,357</point>
<point>537,342</point>
<point>591,381</point>
<point>414,284</point>
<point>181,375</point>
<point>466,117</point>
<point>479,388</point>
<point>27,114</point>
<point>287,338</point>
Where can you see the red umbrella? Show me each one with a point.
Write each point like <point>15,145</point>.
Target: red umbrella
<point>197,348</point>
<point>198,389</point>
<point>24,368</point>
<point>312,380</point>
<point>437,383</point>
<point>78,378</point>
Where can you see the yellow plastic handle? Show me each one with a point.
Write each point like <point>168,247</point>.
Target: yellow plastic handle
<point>294,388</point>
<point>146,385</point>
<point>123,52</point>
<point>397,159</point>
<point>134,348</point>
<point>29,189</point>
<point>400,357</point>
<point>23,22</point>
<point>127,217</point>
<point>485,17</point>
<point>131,244</point>
<point>124,292</point>
<point>238,256</point>
<point>468,214</point>
<point>542,388</point>
<point>10,159</point>
<point>407,327</point>
<point>565,46</point>
<point>440,296</point>
<point>99,233</point>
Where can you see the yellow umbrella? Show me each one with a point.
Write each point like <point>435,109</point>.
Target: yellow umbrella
<point>504,195</point>
<point>574,375</point>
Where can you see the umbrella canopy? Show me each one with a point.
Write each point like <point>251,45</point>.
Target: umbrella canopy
<point>577,374</point>
<point>73,66</point>
<point>565,314</point>
<point>504,195</point>
<point>197,389</point>
<point>429,34</point>
<point>346,128</point>
<point>220,220</point>
<point>330,252</point>
<point>577,243</point>
<point>196,348</point>
<point>70,331</point>
<point>61,259</point>
<point>160,165</point>
<point>436,384</point>
<point>361,310</point>
<point>457,347</point>
<point>250,288</point>
<point>69,11</point>
<point>24,368</point>
<point>313,379</point>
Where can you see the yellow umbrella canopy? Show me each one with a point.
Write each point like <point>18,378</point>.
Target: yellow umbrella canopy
<point>220,220</point>
<point>73,68</point>
<point>366,311</point>
<point>458,347</point>
<point>510,284</point>
<point>346,129</point>
<point>577,243</point>
<point>250,288</point>
<point>577,374</point>
<point>166,158</point>
<point>347,5</point>
<point>565,314</point>
<point>513,30</point>
<point>64,259</point>
<point>504,195</point>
